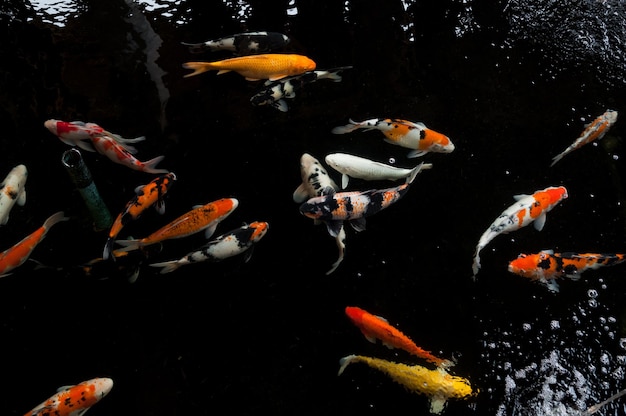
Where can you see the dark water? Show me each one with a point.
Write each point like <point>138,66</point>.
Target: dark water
<point>511,83</point>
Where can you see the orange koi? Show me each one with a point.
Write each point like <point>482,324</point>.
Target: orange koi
<point>528,209</point>
<point>202,217</point>
<point>74,400</point>
<point>403,133</point>
<point>546,266</point>
<point>593,131</point>
<point>375,327</point>
<point>146,196</point>
<point>19,253</point>
<point>270,66</point>
<point>437,384</point>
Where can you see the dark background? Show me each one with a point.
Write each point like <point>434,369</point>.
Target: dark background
<point>511,83</point>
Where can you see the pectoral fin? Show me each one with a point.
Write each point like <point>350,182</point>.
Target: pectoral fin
<point>540,222</point>
<point>21,199</point>
<point>437,404</point>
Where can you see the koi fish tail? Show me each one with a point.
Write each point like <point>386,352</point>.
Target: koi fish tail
<point>557,158</point>
<point>347,128</point>
<point>108,246</point>
<point>341,245</point>
<point>476,263</point>
<point>55,218</point>
<point>128,245</point>
<point>167,266</point>
<point>150,165</point>
<point>345,361</point>
<point>417,169</point>
<point>198,68</point>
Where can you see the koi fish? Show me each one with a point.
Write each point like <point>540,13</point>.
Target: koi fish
<point>118,153</point>
<point>232,243</point>
<point>74,133</point>
<point>317,182</point>
<point>145,197</point>
<point>12,191</point>
<point>274,92</point>
<point>256,67</point>
<point>376,327</point>
<point>593,131</point>
<point>74,400</point>
<point>242,43</point>
<point>528,209</point>
<point>200,218</point>
<point>369,170</point>
<point>19,253</point>
<point>335,208</point>
<point>403,133</point>
<point>438,385</point>
<point>547,266</point>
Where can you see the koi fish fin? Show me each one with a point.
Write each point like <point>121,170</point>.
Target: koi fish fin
<point>551,284</point>
<point>209,231</point>
<point>167,266</point>
<point>437,405</point>
<point>281,105</point>
<point>347,128</point>
<point>345,361</point>
<point>417,169</point>
<point>87,146</point>
<point>150,165</point>
<point>557,158</point>
<point>415,153</point>
<point>344,181</point>
<point>358,224</point>
<point>520,196</point>
<point>369,337</point>
<point>5,274</point>
<point>108,246</point>
<point>21,199</point>
<point>341,245</point>
<point>248,255</point>
<point>334,227</point>
<point>134,275</point>
<point>160,207</point>
<point>55,218</point>
<point>540,222</point>
<point>199,67</point>
<point>275,77</point>
<point>547,251</point>
<point>122,140</point>
<point>128,245</point>
<point>247,78</point>
<point>300,195</point>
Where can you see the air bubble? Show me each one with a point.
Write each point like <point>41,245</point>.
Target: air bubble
<point>592,293</point>
<point>392,160</point>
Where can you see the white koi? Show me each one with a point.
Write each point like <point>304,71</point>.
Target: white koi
<point>12,191</point>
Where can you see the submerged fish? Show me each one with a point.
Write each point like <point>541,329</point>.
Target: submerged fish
<point>232,243</point>
<point>593,131</point>
<point>438,385</point>
<point>275,92</point>
<point>526,210</point>
<point>242,43</point>
<point>12,191</point>
<point>375,327</point>
<point>369,170</point>
<point>146,196</point>
<point>255,67</point>
<point>547,266</point>
<point>118,153</point>
<point>200,218</point>
<point>403,133</point>
<point>79,133</point>
<point>74,400</point>
<point>19,253</point>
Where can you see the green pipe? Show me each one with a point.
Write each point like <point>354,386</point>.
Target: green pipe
<point>80,175</point>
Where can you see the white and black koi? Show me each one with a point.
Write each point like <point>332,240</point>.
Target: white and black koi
<point>242,43</point>
<point>273,93</point>
<point>12,191</point>
<point>232,243</point>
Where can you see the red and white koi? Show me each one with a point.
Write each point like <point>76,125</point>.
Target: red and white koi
<point>74,400</point>
<point>403,133</point>
<point>235,242</point>
<point>242,43</point>
<point>12,191</point>
<point>593,131</point>
<point>317,182</point>
<point>20,252</point>
<point>200,218</point>
<point>146,196</point>
<point>526,210</point>
<point>547,266</point>
<point>79,133</point>
<point>369,170</point>
<point>118,153</point>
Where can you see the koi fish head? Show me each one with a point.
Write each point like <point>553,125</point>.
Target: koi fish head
<point>303,64</point>
<point>436,142</point>
<point>314,208</point>
<point>530,266</point>
<point>551,196</point>
<point>51,125</point>
<point>611,116</point>
<point>260,229</point>
<point>355,314</point>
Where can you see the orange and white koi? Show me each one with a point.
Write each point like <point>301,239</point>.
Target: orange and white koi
<point>336,207</point>
<point>375,327</point>
<point>242,43</point>
<point>79,133</point>
<point>19,253</point>
<point>317,182</point>
<point>403,133</point>
<point>200,218</point>
<point>146,196</point>
<point>526,210</point>
<point>438,385</point>
<point>235,242</point>
<point>593,131</point>
<point>547,266</point>
<point>118,153</point>
<point>270,66</point>
<point>12,191</point>
<point>74,400</point>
